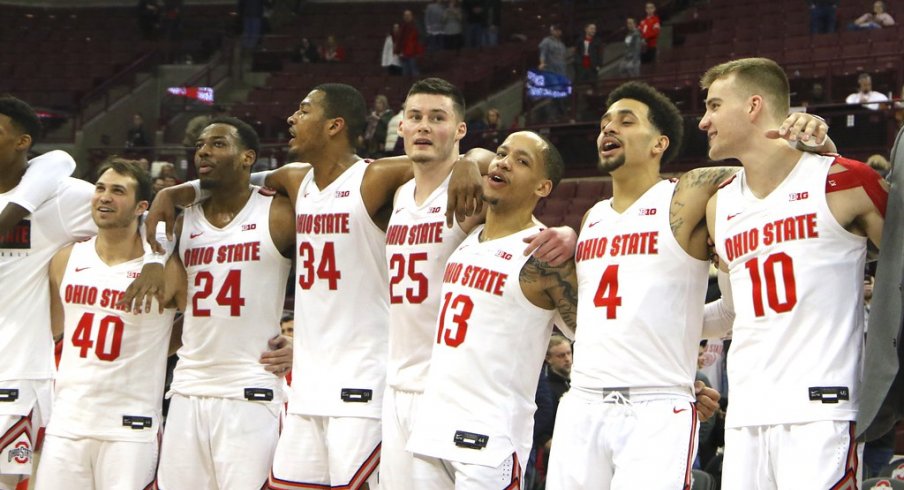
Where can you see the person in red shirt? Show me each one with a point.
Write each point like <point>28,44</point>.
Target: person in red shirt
<point>409,47</point>
<point>649,30</point>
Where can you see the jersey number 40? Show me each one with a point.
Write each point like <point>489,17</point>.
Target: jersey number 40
<point>108,342</point>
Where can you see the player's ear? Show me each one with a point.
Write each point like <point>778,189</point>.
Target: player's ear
<point>141,207</point>
<point>661,144</point>
<point>755,105</point>
<point>24,142</point>
<point>461,131</point>
<point>336,125</point>
<point>544,188</point>
<point>248,158</point>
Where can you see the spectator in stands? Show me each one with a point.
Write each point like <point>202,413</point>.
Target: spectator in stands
<point>393,139</point>
<point>287,324</point>
<point>475,15</point>
<point>433,22</point>
<point>377,127</point>
<point>589,56</point>
<point>494,20</point>
<point>390,61</point>
<point>558,365</point>
<point>137,136</point>
<point>306,52</point>
<point>149,17</point>
<point>251,13</point>
<point>866,93</point>
<point>649,30</point>
<point>817,96</point>
<point>552,52</point>
<point>630,64</point>
<point>172,19</point>
<point>331,51</point>
<point>552,59</point>
<point>876,19</point>
<point>409,47</point>
<point>822,16</point>
<point>452,26</point>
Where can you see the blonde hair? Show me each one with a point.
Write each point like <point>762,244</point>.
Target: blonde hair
<point>761,76</point>
<point>878,163</point>
<point>556,340</point>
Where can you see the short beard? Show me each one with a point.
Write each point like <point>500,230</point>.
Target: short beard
<point>611,164</point>
<point>208,183</point>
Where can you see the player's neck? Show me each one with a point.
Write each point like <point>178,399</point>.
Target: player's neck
<point>428,176</point>
<point>767,163</point>
<point>330,164</point>
<point>226,202</point>
<point>12,175</point>
<point>503,222</point>
<point>117,245</point>
<point>628,184</point>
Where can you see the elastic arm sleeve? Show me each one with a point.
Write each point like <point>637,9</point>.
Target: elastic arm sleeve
<point>718,316</point>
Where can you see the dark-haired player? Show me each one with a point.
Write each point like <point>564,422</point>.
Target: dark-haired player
<point>106,419</point>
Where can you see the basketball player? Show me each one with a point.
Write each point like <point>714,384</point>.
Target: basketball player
<point>632,380</point>
<point>26,346</point>
<point>108,391</point>
<point>792,230</point>
<point>417,247</point>
<point>225,412</point>
<point>473,425</point>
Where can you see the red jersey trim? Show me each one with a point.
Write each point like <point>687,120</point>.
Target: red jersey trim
<point>858,174</point>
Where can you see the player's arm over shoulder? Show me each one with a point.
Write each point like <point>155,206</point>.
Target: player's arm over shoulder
<point>382,179</point>
<point>287,179</point>
<point>552,287</point>
<point>57,270</point>
<point>282,225</point>
<point>857,197</point>
<point>687,210</point>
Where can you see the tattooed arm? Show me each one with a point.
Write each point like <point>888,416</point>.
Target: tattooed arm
<point>688,208</point>
<point>552,288</point>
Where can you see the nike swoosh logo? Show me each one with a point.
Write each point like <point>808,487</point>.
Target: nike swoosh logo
<point>591,225</point>
<point>676,410</point>
<point>730,216</point>
<point>195,235</point>
<point>79,269</point>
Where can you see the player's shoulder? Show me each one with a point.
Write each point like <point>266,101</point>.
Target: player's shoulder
<point>75,187</point>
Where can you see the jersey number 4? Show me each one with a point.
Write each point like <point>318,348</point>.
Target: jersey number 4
<point>107,345</point>
<point>607,292</point>
<point>770,268</point>
<point>414,295</point>
<point>461,307</point>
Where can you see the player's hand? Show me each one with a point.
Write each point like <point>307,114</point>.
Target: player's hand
<point>465,192</point>
<point>707,400</point>
<point>552,245</point>
<point>149,285</point>
<point>162,209</point>
<point>802,127</point>
<point>278,360</point>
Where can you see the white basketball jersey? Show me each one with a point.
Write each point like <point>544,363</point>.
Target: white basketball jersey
<point>488,349</point>
<point>341,301</point>
<point>25,252</point>
<point>797,282</point>
<point>418,243</point>
<point>236,288</point>
<point>640,299</point>
<point>110,381</point>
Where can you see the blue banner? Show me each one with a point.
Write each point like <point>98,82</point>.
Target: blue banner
<point>547,85</point>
